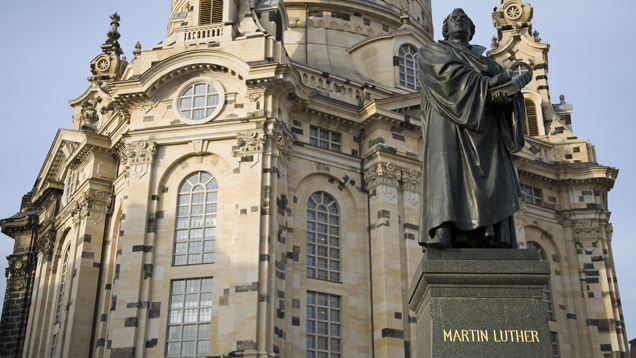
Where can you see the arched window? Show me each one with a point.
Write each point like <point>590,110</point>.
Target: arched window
<point>407,66</point>
<point>195,234</point>
<point>547,294</point>
<point>518,70</point>
<point>62,286</point>
<point>323,237</point>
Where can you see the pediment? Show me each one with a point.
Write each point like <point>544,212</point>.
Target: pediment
<point>69,147</point>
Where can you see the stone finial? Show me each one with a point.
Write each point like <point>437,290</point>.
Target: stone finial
<point>536,36</point>
<point>495,43</point>
<point>112,45</point>
<point>113,34</point>
<point>404,16</point>
<point>137,51</point>
<point>562,98</point>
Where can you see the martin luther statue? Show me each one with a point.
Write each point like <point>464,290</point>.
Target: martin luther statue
<point>471,122</point>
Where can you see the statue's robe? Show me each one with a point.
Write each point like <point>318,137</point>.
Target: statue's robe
<point>468,176</point>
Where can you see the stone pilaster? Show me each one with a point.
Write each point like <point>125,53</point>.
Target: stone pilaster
<point>590,242</point>
<point>91,208</point>
<point>383,182</point>
<point>133,270</point>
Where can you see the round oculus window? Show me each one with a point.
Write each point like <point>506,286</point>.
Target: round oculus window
<point>199,101</point>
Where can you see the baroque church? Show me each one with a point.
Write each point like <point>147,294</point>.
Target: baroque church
<point>249,187</point>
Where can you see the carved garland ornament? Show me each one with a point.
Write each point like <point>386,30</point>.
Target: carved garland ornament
<point>587,229</point>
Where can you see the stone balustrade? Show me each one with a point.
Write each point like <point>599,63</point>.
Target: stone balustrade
<point>193,34</point>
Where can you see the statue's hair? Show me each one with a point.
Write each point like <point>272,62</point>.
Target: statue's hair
<point>445,25</point>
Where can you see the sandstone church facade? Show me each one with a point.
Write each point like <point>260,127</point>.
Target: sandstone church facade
<point>250,187</point>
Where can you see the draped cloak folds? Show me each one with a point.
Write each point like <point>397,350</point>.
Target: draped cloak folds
<point>468,176</point>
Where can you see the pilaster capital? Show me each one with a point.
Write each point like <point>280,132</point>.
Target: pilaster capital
<point>92,204</point>
<point>284,141</point>
<point>46,242</point>
<point>389,174</point>
<point>250,142</point>
<point>138,157</point>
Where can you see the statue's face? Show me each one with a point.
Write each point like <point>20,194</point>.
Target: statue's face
<point>459,26</point>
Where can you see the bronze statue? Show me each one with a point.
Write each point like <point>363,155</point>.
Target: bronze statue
<point>471,122</point>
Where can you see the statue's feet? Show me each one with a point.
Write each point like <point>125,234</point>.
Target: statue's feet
<point>441,240</point>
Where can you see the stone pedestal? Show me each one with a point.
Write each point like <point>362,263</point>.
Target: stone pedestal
<point>481,303</point>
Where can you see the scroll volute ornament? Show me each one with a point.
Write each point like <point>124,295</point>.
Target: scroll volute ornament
<point>512,12</point>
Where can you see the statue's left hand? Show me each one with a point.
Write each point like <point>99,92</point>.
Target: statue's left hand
<point>498,80</point>
<point>499,98</point>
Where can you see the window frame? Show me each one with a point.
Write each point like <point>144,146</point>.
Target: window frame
<point>554,338</point>
<point>207,209</point>
<point>547,291</point>
<point>407,60</point>
<point>531,198</point>
<point>62,286</point>
<point>181,93</point>
<point>329,244</point>
<point>331,321</point>
<point>332,142</point>
<point>181,305</point>
<point>53,347</point>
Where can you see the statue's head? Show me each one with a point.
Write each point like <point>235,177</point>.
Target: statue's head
<point>457,13</point>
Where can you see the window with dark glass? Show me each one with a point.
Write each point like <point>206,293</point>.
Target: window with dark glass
<point>323,326</point>
<point>323,238</point>
<point>189,318</point>
<point>547,294</point>
<point>62,285</point>
<point>324,138</point>
<point>531,195</point>
<point>407,66</point>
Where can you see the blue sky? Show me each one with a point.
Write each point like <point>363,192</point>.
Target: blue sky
<point>45,63</point>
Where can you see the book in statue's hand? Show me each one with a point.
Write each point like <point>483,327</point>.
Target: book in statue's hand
<point>515,85</point>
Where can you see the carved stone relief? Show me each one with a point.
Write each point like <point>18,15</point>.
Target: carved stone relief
<point>46,242</point>
<point>18,272</point>
<point>249,143</point>
<point>609,230</point>
<point>139,156</point>
<point>587,229</point>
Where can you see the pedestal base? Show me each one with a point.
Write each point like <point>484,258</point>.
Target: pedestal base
<point>481,303</point>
